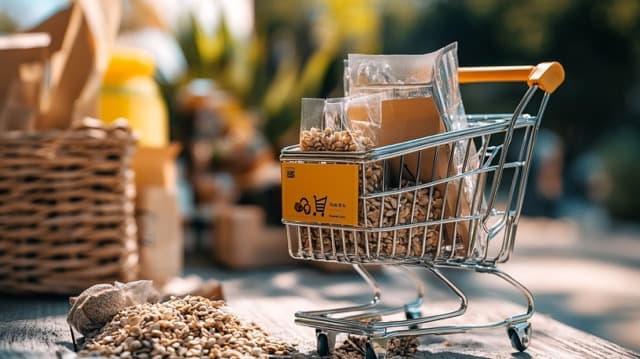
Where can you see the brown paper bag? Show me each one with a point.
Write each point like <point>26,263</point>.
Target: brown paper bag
<point>81,36</point>
<point>405,119</point>
<point>22,78</point>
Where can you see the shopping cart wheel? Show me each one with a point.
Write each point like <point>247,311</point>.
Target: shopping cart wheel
<point>520,335</point>
<point>369,353</point>
<point>325,342</point>
<point>412,313</point>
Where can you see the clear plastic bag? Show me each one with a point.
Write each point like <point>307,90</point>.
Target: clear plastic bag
<point>433,74</point>
<point>428,75</point>
<point>340,124</point>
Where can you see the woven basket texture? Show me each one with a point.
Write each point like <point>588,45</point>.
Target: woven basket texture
<point>67,208</point>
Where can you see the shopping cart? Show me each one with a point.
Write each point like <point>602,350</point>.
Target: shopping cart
<point>405,221</point>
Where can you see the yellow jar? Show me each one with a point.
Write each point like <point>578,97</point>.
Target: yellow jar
<point>129,91</point>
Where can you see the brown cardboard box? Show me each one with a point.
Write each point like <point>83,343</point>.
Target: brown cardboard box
<point>159,233</point>
<point>410,118</point>
<point>243,240</point>
<point>155,166</point>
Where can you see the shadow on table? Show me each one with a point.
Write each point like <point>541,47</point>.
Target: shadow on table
<point>559,305</point>
<point>521,355</point>
<point>21,354</point>
<point>446,355</point>
<point>285,282</point>
<point>69,345</point>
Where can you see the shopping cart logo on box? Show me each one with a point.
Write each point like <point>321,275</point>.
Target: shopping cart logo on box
<point>320,204</point>
<point>303,205</point>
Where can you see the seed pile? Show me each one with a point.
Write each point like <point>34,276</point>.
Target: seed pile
<point>354,348</point>
<point>182,327</point>
<point>329,139</point>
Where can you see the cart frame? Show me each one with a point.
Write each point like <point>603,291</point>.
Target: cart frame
<point>492,221</point>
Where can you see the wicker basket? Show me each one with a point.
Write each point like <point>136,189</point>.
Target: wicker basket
<point>67,208</point>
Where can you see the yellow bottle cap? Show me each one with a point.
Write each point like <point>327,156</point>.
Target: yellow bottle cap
<point>126,63</point>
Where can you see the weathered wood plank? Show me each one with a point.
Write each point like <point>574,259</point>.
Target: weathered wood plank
<point>550,339</point>
<point>33,327</point>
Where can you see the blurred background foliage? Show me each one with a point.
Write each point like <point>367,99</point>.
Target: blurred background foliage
<point>296,49</point>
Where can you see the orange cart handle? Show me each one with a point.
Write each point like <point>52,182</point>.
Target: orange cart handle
<point>547,75</point>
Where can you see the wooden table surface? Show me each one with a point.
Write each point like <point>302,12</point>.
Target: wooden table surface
<point>35,327</point>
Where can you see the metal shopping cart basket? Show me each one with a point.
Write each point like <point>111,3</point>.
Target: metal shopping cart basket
<point>463,217</point>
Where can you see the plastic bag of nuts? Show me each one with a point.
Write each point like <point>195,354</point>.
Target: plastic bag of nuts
<point>340,124</point>
<point>433,76</point>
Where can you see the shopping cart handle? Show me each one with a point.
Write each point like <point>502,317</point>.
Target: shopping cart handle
<point>547,75</point>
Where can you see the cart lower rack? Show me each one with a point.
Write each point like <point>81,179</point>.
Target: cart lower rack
<point>464,215</point>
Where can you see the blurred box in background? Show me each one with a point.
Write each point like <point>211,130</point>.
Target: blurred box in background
<point>242,239</point>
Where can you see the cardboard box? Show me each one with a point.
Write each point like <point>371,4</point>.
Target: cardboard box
<point>160,234</point>
<point>405,119</point>
<point>243,240</point>
<point>156,166</point>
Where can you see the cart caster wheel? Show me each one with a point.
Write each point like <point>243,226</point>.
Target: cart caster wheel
<point>369,353</point>
<point>413,314</point>
<point>520,335</point>
<point>324,343</point>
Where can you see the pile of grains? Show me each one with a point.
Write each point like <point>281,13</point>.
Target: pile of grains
<point>182,327</point>
<point>354,347</point>
<point>329,139</point>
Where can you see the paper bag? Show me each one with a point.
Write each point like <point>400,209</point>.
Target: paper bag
<point>405,119</point>
<point>22,76</point>
<point>81,37</point>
